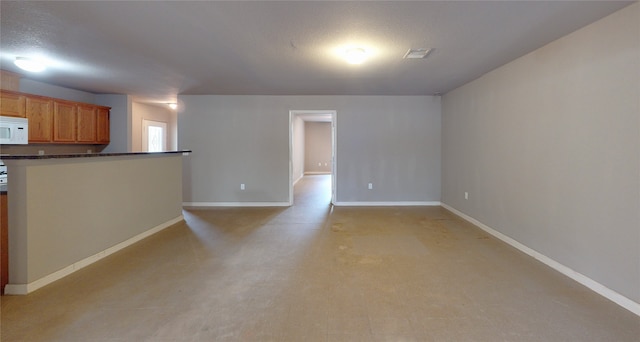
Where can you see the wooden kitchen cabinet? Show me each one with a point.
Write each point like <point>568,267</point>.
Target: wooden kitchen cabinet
<point>64,121</point>
<point>39,113</point>
<point>12,104</point>
<point>58,121</point>
<point>87,123</point>
<point>102,125</point>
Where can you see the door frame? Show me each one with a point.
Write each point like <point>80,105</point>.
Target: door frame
<point>333,114</point>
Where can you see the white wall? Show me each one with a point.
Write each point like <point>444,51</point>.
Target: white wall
<point>143,111</point>
<point>119,121</point>
<point>50,90</point>
<point>548,148</point>
<point>391,141</point>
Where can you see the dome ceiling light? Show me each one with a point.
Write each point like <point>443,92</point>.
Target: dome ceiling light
<point>28,64</point>
<point>355,55</point>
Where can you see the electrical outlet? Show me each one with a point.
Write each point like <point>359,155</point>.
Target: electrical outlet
<point>242,186</point>
<point>370,187</point>
<point>466,195</point>
<point>41,152</point>
<point>89,151</point>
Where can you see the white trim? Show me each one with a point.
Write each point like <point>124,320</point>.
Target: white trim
<point>23,289</point>
<point>297,180</point>
<point>291,182</point>
<point>334,156</point>
<point>317,172</point>
<point>579,277</point>
<point>387,204</point>
<point>235,204</point>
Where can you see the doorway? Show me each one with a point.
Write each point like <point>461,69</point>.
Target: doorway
<point>154,136</point>
<point>297,121</point>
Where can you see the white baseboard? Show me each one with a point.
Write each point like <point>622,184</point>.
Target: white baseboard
<point>579,277</point>
<point>297,180</point>
<point>235,204</point>
<point>23,289</point>
<point>318,173</point>
<point>386,204</point>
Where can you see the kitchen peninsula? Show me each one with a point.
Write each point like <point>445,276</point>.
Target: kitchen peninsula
<point>67,211</point>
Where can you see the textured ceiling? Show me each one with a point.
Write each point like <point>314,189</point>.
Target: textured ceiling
<point>155,50</point>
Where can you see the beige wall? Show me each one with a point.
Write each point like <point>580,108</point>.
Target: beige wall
<point>143,111</point>
<point>64,210</point>
<point>548,149</point>
<point>317,153</point>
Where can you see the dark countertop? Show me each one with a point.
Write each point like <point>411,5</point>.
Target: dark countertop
<point>81,155</point>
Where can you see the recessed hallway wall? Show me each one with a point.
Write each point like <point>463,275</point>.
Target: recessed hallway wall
<point>317,144</point>
<point>160,113</point>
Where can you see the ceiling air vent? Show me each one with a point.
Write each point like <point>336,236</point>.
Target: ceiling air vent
<point>417,53</point>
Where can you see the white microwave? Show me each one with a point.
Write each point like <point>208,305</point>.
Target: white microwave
<point>13,131</point>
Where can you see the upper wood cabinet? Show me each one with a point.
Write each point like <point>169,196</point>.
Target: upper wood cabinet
<point>102,125</point>
<point>12,104</point>
<point>64,121</point>
<point>87,123</point>
<point>39,111</point>
<point>58,121</point>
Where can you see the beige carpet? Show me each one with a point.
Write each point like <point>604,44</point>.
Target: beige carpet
<point>316,273</point>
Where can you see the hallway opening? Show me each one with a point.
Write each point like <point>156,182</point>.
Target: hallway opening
<point>313,190</point>
<point>312,148</point>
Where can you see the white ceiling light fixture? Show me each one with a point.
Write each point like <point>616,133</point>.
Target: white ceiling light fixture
<point>29,64</point>
<point>172,105</point>
<point>417,53</point>
<point>355,55</point>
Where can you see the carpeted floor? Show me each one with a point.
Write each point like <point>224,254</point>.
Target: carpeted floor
<point>312,272</point>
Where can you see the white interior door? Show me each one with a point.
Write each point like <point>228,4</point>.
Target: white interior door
<point>154,136</point>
